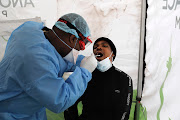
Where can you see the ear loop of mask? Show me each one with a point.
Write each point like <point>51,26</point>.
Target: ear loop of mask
<point>75,43</point>
<point>64,42</point>
<point>110,55</point>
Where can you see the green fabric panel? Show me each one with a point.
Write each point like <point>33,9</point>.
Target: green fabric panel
<point>142,110</point>
<point>133,105</point>
<point>54,116</point>
<point>80,107</point>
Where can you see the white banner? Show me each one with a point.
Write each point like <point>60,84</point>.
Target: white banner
<point>21,9</point>
<point>162,60</point>
<point>15,12</point>
<point>3,42</point>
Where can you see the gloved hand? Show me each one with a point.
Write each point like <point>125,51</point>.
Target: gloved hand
<point>89,63</point>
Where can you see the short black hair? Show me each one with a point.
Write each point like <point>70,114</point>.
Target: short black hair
<point>113,48</point>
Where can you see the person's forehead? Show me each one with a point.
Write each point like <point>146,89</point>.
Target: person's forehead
<point>101,42</point>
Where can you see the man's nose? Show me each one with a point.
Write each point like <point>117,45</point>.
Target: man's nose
<point>99,48</point>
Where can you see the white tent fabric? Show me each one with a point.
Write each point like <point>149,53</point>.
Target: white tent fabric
<point>162,60</point>
<point>28,9</point>
<point>115,19</point>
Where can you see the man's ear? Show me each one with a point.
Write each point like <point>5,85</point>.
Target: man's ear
<point>113,55</point>
<point>72,39</point>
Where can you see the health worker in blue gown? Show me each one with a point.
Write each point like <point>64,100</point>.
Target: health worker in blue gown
<point>32,69</point>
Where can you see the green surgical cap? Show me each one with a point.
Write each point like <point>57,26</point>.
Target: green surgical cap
<point>78,22</point>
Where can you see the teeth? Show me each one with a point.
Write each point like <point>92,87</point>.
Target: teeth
<point>97,55</point>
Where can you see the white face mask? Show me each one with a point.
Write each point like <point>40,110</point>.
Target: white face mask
<point>72,54</point>
<point>105,64</point>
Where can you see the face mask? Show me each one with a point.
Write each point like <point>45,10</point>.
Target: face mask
<point>104,65</point>
<point>70,56</point>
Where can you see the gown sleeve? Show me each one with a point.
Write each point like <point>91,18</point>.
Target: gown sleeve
<point>41,78</point>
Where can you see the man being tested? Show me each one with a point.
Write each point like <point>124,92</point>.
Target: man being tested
<point>109,93</point>
<point>33,65</point>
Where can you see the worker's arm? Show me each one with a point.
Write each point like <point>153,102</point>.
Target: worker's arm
<point>40,76</point>
<point>71,67</point>
<point>88,62</point>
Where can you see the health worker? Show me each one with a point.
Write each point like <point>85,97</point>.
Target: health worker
<point>32,69</point>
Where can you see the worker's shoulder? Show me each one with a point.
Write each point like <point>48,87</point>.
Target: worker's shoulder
<point>33,23</point>
<point>30,26</point>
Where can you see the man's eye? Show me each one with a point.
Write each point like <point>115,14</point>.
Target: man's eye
<point>94,47</point>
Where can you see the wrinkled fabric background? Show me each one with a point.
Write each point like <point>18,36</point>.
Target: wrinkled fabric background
<point>118,20</point>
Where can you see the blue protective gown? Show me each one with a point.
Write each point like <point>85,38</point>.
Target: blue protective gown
<point>31,76</point>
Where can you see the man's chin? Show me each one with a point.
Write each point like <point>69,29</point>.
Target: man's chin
<point>99,59</point>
